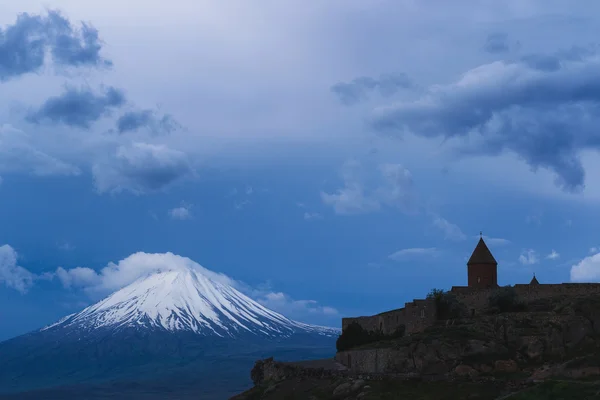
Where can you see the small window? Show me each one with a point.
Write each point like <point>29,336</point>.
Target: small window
<point>422,313</point>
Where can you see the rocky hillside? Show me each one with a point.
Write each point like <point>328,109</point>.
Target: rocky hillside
<point>548,350</point>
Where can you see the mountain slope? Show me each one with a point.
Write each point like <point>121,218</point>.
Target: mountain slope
<point>185,301</point>
<point>172,327</point>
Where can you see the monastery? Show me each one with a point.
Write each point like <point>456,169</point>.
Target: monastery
<point>482,281</point>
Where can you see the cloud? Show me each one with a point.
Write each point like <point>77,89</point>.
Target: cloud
<point>11,274</point>
<point>359,89</point>
<point>78,277</point>
<point>287,306</point>
<point>535,218</point>
<point>312,216</point>
<point>587,270</point>
<point>451,231</point>
<point>116,276</point>
<point>141,168</point>
<point>24,44</point>
<point>594,249</point>
<point>134,120</point>
<point>23,39</point>
<point>394,188</point>
<point>413,252</point>
<point>494,241</point>
<point>545,116</point>
<point>528,257</point>
<point>181,213</point>
<point>496,43</point>
<point>553,255</point>
<point>78,107</point>
<point>74,47</point>
<point>18,154</point>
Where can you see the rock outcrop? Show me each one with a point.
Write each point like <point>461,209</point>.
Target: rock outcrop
<point>497,354</point>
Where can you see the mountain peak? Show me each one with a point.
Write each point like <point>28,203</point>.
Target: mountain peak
<point>185,300</point>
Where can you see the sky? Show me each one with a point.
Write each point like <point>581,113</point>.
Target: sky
<point>328,159</point>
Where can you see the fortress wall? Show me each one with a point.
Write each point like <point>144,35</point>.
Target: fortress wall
<point>473,299</point>
<point>534,292</point>
<point>478,300</point>
<point>415,316</point>
<point>386,322</point>
<point>419,315</point>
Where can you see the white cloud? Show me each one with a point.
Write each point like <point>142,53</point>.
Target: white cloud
<point>553,255</point>
<point>11,274</point>
<point>451,231</point>
<point>494,241</point>
<point>412,252</point>
<point>183,212</point>
<point>594,249</point>
<point>312,215</point>
<point>394,188</point>
<point>528,257</point>
<point>115,276</point>
<point>78,277</point>
<point>287,306</point>
<point>587,270</point>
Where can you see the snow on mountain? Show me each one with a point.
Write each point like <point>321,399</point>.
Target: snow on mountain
<point>186,300</point>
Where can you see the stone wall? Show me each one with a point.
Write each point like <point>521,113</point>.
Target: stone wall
<point>535,292</point>
<point>415,316</point>
<point>419,314</point>
<point>373,361</point>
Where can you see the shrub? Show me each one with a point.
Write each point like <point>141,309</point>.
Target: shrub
<point>506,299</point>
<point>447,305</point>
<point>354,336</point>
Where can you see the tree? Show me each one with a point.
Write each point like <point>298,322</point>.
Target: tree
<point>506,299</point>
<point>354,335</point>
<point>447,304</point>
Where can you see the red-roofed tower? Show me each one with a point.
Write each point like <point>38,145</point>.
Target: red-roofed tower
<point>482,267</point>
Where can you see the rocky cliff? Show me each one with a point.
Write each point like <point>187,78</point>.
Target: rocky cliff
<point>550,346</point>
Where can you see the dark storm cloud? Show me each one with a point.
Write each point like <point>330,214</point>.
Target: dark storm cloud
<point>360,88</point>
<point>141,168</point>
<point>546,112</point>
<point>134,120</point>
<point>74,47</point>
<point>23,45</point>
<point>78,107</point>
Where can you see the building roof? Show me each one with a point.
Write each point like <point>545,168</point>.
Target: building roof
<point>482,255</point>
<point>534,281</point>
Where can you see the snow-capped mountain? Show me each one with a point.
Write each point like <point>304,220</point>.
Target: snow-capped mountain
<point>177,328</point>
<point>185,300</point>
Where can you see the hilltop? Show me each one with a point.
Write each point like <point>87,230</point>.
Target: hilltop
<point>541,349</point>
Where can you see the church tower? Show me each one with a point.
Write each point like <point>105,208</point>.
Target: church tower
<point>482,267</point>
